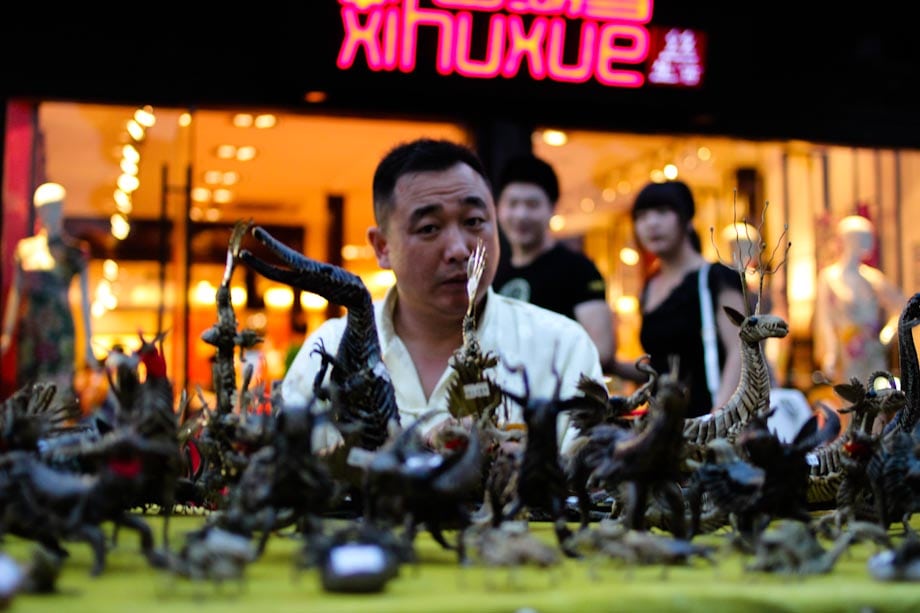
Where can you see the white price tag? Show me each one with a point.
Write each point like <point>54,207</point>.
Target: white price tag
<point>476,390</point>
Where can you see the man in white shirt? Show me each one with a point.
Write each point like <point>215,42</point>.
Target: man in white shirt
<point>432,205</point>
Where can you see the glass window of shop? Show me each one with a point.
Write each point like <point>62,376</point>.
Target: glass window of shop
<point>154,193</point>
<point>798,188</point>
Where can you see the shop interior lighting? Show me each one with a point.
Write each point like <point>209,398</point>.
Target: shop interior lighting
<point>185,120</point>
<point>201,194</point>
<point>278,297</point>
<point>555,138</point>
<point>145,117</point>
<point>587,205</point>
<point>135,130</point>
<point>130,153</point>
<point>245,153</point>
<point>129,168</point>
<point>230,177</point>
<point>238,295</point>
<point>609,194</point>
<point>629,256</point>
<point>670,171</point>
<point>213,177</point>
<point>222,196</point>
<point>226,152</point>
<point>120,226</point>
<point>211,214</point>
<point>266,120</point>
<point>557,223</point>
<point>128,183</point>
<point>312,302</point>
<point>242,120</point>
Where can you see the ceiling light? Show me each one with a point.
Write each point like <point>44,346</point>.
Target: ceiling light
<point>201,194</point>
<point>230,177</point>
<point>195,213</point>
<point>587,205</point>
<point>145,117</point>
<point>265,121</point>
<point>627,305</point>
<point>555,138</point>
<point>222,196</point>
<point>120,226</point>
<point>213,177</point>
<point>245,153</point>
<point>670,171</point>
<point>704,153</point>
<point>110,269</point>
<point>185,120</point>
<point>609,194</point>
<point>226,152</point>
<point>128,183</point>
<point>135,129</point>
<point>242,120</point>
<point>211,214</point>
<point>657,175</point>
<point>129,152</point>
<point>556,223</point>
<point>129,168</point>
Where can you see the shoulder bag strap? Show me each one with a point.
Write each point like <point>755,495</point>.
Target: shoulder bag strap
<point>710,348</point>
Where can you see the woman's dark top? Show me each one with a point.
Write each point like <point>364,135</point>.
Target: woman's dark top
<point>675,326</point>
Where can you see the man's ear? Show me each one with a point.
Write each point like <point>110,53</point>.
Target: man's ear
<point>378,241</point>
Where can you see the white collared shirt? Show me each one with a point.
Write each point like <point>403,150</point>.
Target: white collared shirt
<point>519,333</point>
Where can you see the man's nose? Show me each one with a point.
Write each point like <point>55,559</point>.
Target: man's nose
<point>457,245</point>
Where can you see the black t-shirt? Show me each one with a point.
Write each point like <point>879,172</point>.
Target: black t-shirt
<point>675,326</point>
<point>557,279</point>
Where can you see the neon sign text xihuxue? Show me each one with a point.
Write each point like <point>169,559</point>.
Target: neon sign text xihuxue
<point>613,40</point>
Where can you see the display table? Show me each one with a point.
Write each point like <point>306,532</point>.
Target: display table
<point>129,585</point>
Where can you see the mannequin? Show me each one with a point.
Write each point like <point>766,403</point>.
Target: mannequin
<point>38,313</point>
<point>856,308</point>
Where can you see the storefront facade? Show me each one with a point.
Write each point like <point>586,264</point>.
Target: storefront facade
<point>633,85</point>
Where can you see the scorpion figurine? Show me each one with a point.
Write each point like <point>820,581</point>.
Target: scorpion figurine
<point>406,480</point>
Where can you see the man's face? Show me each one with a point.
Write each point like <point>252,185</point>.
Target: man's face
<point>437,219</point>
<point>524,212</point>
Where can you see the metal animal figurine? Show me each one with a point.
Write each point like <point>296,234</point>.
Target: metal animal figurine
<point>360,390</point>
<point>360,557</point>
<point>878,400</point>
<point>784,491</point>
<point>901,563</point>
<point>906,419</point>
<point>213,554</point>
<point>511,544</point>
<point>650,459</point>
<point>612,539</point>
<point>283,483</point>
<point>894,475</point>
<point>49,506</point>
<point>726,483</point>
<point>407,482</point>
<point>752,394</point>
<point>541,482</point>
<point>472,392</point>
<point>31,416</point>
<point>792,548</point>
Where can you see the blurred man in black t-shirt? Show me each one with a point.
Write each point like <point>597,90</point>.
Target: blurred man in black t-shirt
<point>539,269</point>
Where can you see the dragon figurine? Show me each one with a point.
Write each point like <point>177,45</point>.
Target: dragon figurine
<point>360,390</point>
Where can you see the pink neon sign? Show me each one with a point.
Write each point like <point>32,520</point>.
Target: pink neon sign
<point>613,42</point>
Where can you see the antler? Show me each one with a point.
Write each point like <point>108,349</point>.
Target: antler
<point>764,266</point>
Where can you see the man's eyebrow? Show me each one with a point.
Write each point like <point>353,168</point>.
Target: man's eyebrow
<point>422,211</point>
<point>475,201</point>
